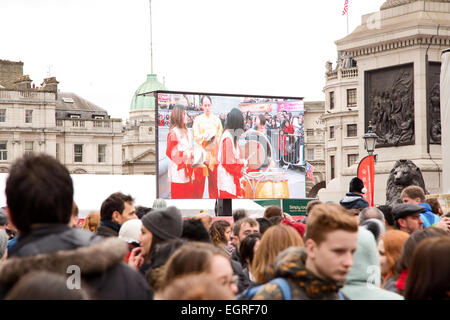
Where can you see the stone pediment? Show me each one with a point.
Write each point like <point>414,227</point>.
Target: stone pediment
<point>146,156</point>
<point>396,3</point>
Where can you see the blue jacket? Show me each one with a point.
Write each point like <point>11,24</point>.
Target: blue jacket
<point>428,217</point>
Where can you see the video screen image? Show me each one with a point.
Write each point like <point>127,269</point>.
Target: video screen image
<point>228,147</point>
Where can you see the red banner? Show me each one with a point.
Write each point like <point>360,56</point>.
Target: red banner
<point>366,172</point>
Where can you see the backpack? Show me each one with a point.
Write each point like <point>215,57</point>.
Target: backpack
<point>281,282</point>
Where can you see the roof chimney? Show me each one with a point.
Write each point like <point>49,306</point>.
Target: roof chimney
<point>50,84</point>
<point>23,83</point>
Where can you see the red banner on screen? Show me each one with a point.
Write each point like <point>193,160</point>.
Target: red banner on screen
<point>366,172</point>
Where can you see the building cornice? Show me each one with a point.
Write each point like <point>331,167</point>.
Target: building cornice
<point>341,114</point>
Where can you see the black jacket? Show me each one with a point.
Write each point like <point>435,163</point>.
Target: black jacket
<point>55,247</point>
<point>353,201</point>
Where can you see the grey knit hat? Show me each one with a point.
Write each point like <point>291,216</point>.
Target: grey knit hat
<point>164,223</point>
<point>3,217</point>
<point>3,243</point>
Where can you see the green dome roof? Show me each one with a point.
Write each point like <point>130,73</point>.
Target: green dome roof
<point>142,102</point>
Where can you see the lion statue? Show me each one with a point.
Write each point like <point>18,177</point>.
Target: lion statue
<point>404,173</point>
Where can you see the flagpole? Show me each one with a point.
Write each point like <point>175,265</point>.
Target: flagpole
<point>348,13</point>
<point>151,39</point>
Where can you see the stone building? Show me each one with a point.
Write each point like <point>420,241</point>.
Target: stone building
<point>392,60</point>
<point>77,132</point>
<point>138,149</point>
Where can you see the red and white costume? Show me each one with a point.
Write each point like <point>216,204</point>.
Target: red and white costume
<point>179,171</point>
<point>230,168</point>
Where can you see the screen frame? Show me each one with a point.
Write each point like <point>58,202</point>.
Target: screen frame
<point>155,94</point>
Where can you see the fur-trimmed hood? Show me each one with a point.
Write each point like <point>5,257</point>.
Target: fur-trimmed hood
<point>93,259</point>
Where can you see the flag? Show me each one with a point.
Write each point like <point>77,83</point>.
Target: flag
<point>345,8</point>
<point>366,172</point>
<point>309,171</point>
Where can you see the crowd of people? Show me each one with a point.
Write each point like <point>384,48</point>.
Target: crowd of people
<point>337,251</point>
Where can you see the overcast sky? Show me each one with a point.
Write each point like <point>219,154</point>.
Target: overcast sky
<point>100,49</point>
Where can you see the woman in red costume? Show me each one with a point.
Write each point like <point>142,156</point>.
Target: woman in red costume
<point>230,167</point>
<point>179,152</point>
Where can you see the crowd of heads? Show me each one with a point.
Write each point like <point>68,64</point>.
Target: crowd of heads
<point>332,253</point>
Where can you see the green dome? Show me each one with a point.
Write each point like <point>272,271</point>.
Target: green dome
<point>143,102</point>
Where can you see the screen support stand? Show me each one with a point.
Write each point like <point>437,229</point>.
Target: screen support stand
<point>223,207</point>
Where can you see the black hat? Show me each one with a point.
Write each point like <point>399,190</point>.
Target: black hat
<point>165,223</point>
<point>406,209</point>
<point>356,185</point>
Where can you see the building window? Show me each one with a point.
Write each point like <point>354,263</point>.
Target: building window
<point>309,132</point>
<point>106,124</point>
<point>351,98</point>
<point>28,147</point>
<point>28,116</point>
<point>97,124</point>
<point>2,115</point>
<point>352,130</point>
<point>3,150</point>
<point>75,123</point>
<point>352,159</point>
<point>78,152</point>
<point>310,154</point>
<point>102,153</point>
<point>81,123</point>
<point>59,122</point>
<point>332,100</point>
<point>58,152</point>
<point>332,167</point>
<point>332,132</point>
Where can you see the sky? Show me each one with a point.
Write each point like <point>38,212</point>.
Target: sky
<point>100,49</point>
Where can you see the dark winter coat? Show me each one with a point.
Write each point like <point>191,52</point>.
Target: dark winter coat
<point>55,247</point>
<point>304,285</point>
<point>353,201</point>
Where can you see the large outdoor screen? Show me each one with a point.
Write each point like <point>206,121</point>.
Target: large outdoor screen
<point>217,146</point>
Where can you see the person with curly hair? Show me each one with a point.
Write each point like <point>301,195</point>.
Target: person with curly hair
<point>220,232</point>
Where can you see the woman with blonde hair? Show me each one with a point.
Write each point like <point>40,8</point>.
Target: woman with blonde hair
<point>274,240</point>
<point>390,248</point>
<point>92,221</point>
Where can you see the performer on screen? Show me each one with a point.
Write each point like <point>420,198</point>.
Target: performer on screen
<point>179,152</point>
<point>230,166</point>
<point>207,130</point>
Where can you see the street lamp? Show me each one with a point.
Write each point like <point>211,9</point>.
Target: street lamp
<point>370,139</point>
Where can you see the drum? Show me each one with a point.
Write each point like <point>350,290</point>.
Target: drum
<point>266,185</point>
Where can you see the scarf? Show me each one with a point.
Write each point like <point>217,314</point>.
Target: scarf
<point>110,224</point>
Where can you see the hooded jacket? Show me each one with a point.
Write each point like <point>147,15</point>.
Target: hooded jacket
<point>428,217</point>
<point>304,285</point>
<point>54,248</point>
<point>353,201</point>
<point>363,280</point>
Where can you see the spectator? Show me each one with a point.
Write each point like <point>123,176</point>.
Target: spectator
<point>309,206</point>
<point>142,211</point>
<point>360,283</point>
<point>43,285</point>
<point>275,220</point>
<point>3,245</point>
<point>429,276</point>
<point>407,217</point>
<point>241,229</point>
<point>388,216</point>
<point>264,224</point>
<point>376,227</point>
<point>415,195</point>
<point>274,240</point>
<point>435,206</point>
<point>194,287</point>
<point>3,219</point>
<point>239,214</point>
<point>319,270</point>
<point>194,230</point>
<point>40,184</point>
<point>389,248</point>
<point>205,219</point>
<point>74,220</point>
<point>220,233</point>
<point>129,232</point>
<point>354,198</point>
<point>299,227</point>
<point>115,210</point>
<point>247,249</point>
<point>370,213</point>
<point>404,262</point>
<point>273,211</point>
<point>198,258</point>
<point>92,221</point>
<point>158,227</point>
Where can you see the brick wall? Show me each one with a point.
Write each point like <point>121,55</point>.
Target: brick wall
<point>9,72</point>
